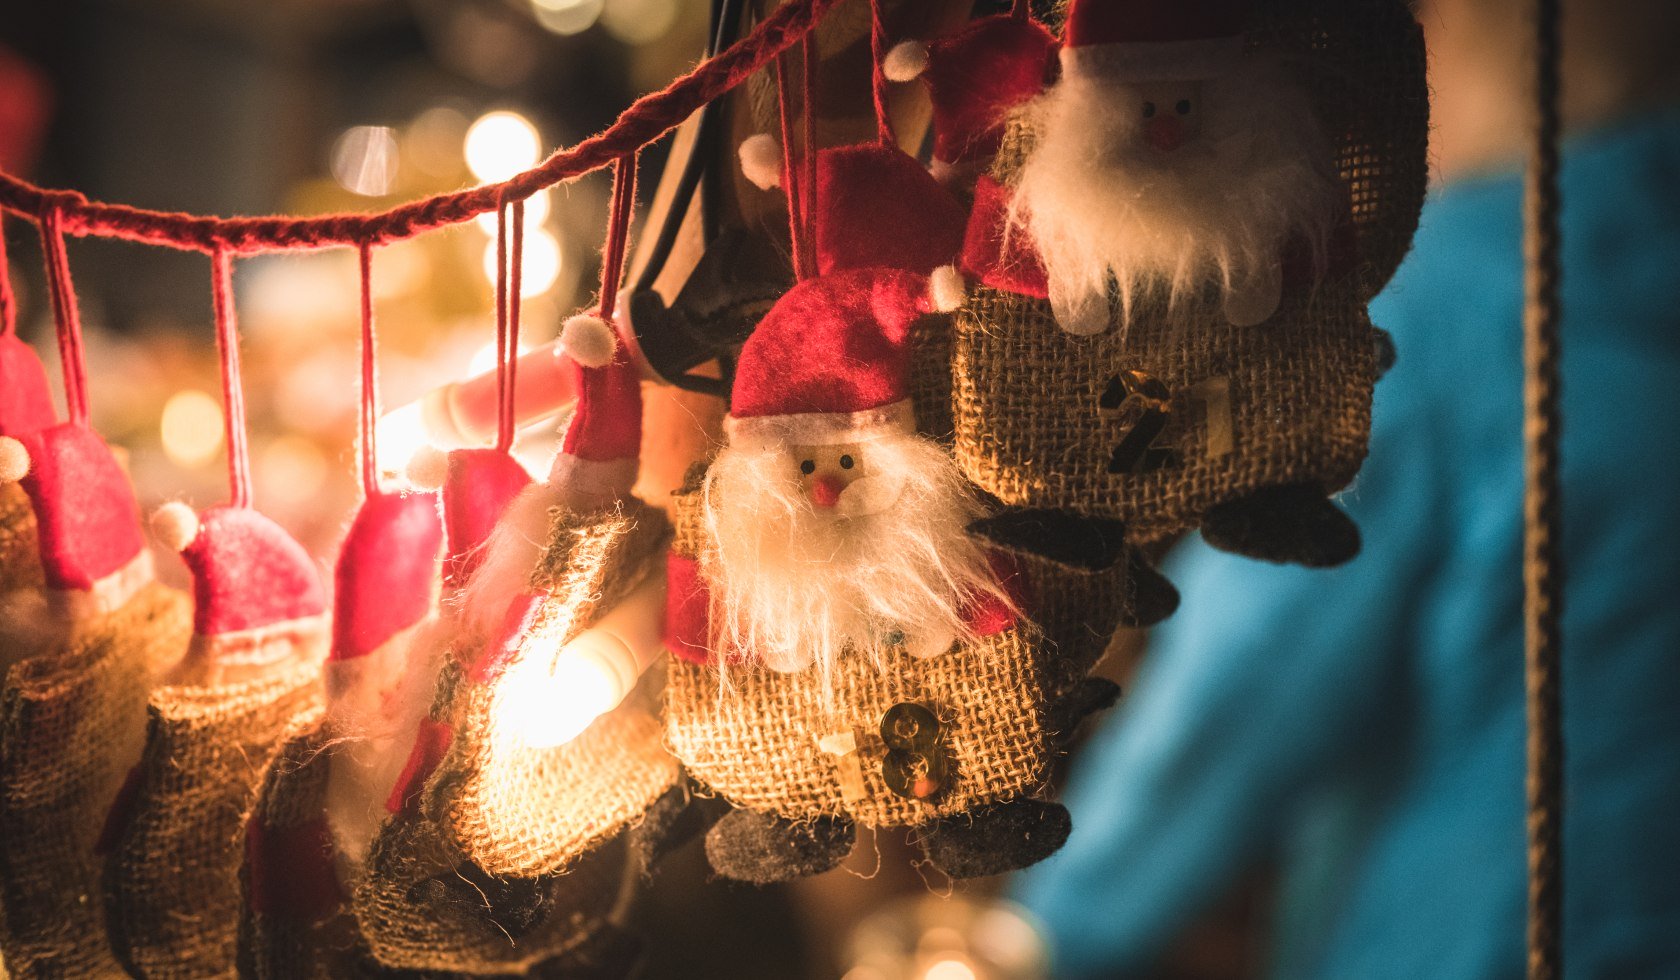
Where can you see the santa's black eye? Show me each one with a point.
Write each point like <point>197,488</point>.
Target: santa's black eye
<point>1184,107</point>
<point>808,467</point>
<point>1149,110</point>
<point>845,462</point>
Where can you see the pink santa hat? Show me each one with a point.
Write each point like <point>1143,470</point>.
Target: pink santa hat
<point>1146,40</point>
<point>386,577</point>
<point>93,554</point>
<point>25,402</point>
<point>258,598</point>
<point>830,362</point>
<point>478,485</point>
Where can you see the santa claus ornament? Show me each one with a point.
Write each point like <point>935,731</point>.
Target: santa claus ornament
<point>1172,266</point>
<point>251,671</point>
<point>85,629</point>
<point>846,653</point>
<point>527,768</point>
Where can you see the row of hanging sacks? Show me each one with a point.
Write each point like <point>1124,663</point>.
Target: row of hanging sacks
<point>250,673</point>
<point>83,629</point>
<point>506,851</point>
<point>325,790</point>
<point>1173,249</point>
<point>846,653</point>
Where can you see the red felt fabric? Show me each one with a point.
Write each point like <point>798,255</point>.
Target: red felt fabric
<point>607,423</point>
<point>876,206</point>
<point>85,513</point>
<point>687,604</point>
<point>976,75</point>
<point>479,485</point>
<point>1135,21</point>
<point>991,615</point>
<point>431,743</point>
<point>1013,266</point>
<point>521,618</point>
<point>25,397</point>
<point>291,870</point>
<point>832,344</point>
<point>249,573</point>
<point>386,570</point>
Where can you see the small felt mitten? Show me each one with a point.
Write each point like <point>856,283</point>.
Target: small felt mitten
<point>251,674</point>
<point>72,705</point>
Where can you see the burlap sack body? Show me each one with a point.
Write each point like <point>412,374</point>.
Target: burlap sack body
<point>758,737</point>
<point>172,880</point>
<point>20,564</point>
<point>520,811</point>
<point>72,724</point>
<point>423,905</point>
<point>1287,402</point>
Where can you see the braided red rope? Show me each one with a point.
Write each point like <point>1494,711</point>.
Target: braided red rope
<point>648,119</point>
<point>233,387</point>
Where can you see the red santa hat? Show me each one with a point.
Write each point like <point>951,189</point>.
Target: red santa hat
<point>597,461</point>
<point>257,595</point>
<point>830,362</point>
<point>386,577</point>
<point>25,404</point>
<point>1147,40</point>
<point>974,76</point>
<point>477,485</point>
<point>86,518</point>
<point>876,206</point>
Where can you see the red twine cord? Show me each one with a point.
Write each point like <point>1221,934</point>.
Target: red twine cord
<point>510,261</point>
<point>648,119</point>
<point>8,302</point>
<point>618,233</point>
<point>878,73</point>
<point>1021,10</point>
<point>790,176</point>
<point>808,180</point>
<point>233,388</point>
<point>368,422</point>
<point>66,317</point>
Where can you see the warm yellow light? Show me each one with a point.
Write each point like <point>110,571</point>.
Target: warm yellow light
<point>192,428</point>
<point>566,17</point>
<point>949,970</point>
<point>501,144</point>
<point>364,160</point>
<point>290,470</point>
<point>639,21</point>
<point>399,435</point>
<point>540,267</point>
<point>537,208</point>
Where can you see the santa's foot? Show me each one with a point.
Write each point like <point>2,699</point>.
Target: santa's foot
<point>1150,598</point>
<point>1089,696</point>
<point>1291,525</point>
<point>1000,837</point>
<point>762,848</point>
<point>1077,540</point>
<point>676,818</point>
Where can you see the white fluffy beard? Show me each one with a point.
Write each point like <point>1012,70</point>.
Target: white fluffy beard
<point>1215,213</point>
<point>792,587</point>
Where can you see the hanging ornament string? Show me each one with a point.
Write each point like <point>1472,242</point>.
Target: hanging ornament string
<point>510,262</point>
<point>878,74</point>
<point>233,387</point>
<point>1020,10</point>
<point>808,154</point>
<point>66,317</point>
<point>648,119</point>
<point>368,423</point>
<point>1543,573</point>
<point>618,233</point>
<point>8,302</point>
<point>790,176</point>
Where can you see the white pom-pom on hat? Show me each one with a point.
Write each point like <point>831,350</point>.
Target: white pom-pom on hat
<point>14,460</point>
<point>905,62</point>
<point>427,468</point>
<point>947,290</point>
<point>761,160</point>
<point>589,340</point>
<point>175,525</point>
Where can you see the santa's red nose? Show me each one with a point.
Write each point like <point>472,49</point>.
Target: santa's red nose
<point>825,491</point>
<point>1164,133</point>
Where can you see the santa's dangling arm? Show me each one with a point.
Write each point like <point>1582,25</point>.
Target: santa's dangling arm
<point>687,610</point>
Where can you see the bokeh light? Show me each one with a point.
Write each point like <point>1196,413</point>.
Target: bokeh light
<point>639,21</point>
<point>290,471</point>
<point>540,265</point>
<point>949,970</point>
<point>501,144</point>
<point>566,17</point>
<point>364,160</point>
<point>191,429</point>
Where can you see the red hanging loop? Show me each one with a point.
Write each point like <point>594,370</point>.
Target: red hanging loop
<point>878,74</point>
<point>233,388</point>
<point>510,250</point>
<point>808,179</point>
<point>368,422</point>
<point>8,301</point>
<point>618,233</point>
<point>66,316</point>
<point>1021,10</point>
<point>790,176</point>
